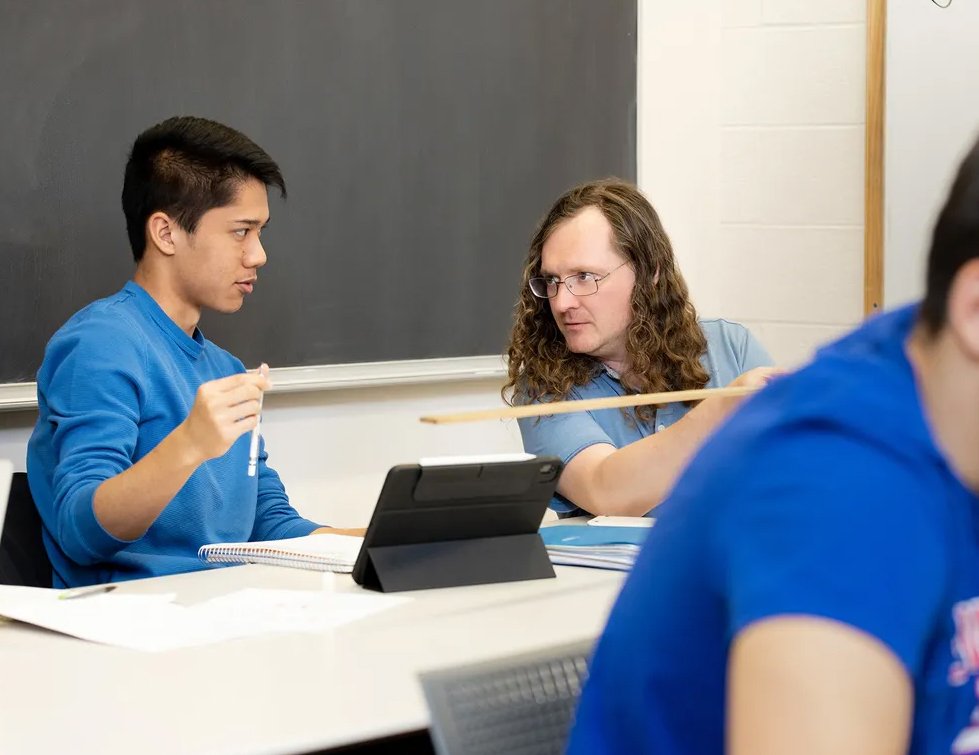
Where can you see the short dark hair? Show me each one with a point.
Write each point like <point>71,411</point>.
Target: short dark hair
<point>954,242</point>
<point>186,166</point>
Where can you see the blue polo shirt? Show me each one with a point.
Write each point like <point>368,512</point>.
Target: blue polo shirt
<point>731,350</point>
<point>824,496</point>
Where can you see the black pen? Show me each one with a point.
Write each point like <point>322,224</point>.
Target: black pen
<point>84,592</point>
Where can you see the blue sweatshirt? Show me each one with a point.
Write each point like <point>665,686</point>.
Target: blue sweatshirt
<point>116,379</point>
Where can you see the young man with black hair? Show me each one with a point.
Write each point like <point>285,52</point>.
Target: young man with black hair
<point>812,584</point>
<point>141,448</point>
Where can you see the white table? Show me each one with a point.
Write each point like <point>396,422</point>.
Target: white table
<point>277,693</point>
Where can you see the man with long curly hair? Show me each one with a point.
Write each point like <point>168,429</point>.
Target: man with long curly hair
<point>604,311</point>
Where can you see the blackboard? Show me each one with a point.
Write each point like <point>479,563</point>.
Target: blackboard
<point>421,141</point>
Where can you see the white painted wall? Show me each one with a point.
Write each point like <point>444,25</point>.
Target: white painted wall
<point>750,146</point>
<point>932,118</point>
<point>751,134</point>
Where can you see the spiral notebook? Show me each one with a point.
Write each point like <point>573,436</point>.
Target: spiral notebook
<point>336,553</point>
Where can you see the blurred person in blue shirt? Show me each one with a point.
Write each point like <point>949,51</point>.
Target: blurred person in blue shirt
<point>812,585</point>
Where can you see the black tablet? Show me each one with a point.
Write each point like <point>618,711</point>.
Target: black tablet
<point>458,523</point>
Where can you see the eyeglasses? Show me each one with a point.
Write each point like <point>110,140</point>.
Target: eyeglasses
<point>579,284</point>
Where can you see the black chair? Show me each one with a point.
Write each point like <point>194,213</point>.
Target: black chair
<point>520,705</point>
<point>23,559</point>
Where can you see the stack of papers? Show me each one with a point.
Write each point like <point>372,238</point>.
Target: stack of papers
<point>596,546</point>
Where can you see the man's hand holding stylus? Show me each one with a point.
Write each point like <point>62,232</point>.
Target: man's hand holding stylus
<point>223,411</point>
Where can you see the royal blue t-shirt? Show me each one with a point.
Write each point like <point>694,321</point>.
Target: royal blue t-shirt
<point>825,495</point>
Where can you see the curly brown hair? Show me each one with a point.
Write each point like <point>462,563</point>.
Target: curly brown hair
<point>664,342</point>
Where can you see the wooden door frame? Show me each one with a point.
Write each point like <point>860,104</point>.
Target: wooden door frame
<point>873,238</point>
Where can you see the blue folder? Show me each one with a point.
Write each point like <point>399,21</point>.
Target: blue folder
<point>578,535</point>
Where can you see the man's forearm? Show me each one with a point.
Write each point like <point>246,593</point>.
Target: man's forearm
<point>127,504</point>
<point>634,479</point>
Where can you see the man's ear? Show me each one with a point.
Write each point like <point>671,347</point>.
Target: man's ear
<point>160,231</point>
<point>963,308</point>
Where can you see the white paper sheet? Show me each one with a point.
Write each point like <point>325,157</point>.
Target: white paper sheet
<point>622,521</point>
<point>155,623</point>
<point>257,611</point>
